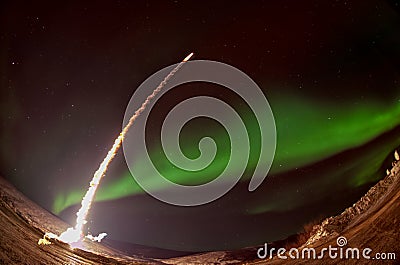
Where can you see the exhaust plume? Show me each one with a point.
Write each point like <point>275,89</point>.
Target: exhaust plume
<point>75,234</point>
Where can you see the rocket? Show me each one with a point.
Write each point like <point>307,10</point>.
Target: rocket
<point>187,57</point>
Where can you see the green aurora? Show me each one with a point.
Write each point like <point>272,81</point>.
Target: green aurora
<point>307,131</point>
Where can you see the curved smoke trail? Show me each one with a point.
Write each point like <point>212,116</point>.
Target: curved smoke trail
<point>75,234</point>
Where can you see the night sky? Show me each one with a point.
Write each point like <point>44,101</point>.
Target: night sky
<point>330,70</point>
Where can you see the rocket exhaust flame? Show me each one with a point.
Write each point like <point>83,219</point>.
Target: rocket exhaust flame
<point>75,234</point>
<point>187,57</point>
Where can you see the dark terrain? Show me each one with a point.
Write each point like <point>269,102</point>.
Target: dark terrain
<point>373,221</point>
